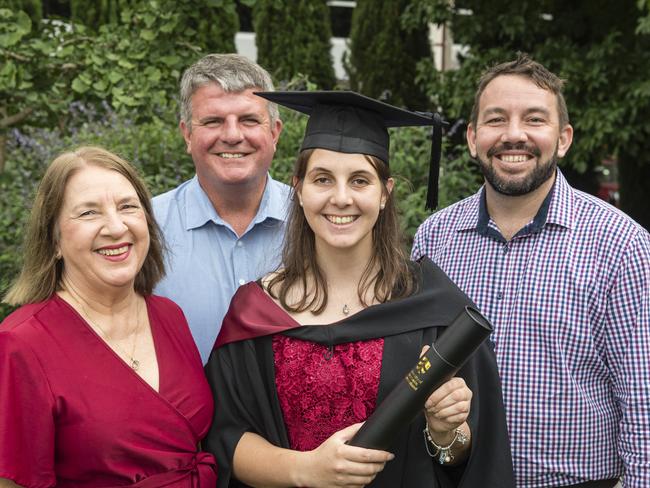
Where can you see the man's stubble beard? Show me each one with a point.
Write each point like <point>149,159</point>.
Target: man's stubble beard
<point>531,182</point>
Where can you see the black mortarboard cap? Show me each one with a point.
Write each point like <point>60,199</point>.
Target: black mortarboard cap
<point>349,122</point>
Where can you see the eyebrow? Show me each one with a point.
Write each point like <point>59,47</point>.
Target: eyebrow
<point>87,204</point>
<point>363,172</point>
<point>528,111</point>
<point>129,198</point>
<point>95,204</point>
<point>320,169</point>
<point>209,118</point>
<point>249,115</point>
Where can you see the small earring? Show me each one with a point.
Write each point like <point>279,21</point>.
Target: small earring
<point>300,202</point>
<point>382,206</point>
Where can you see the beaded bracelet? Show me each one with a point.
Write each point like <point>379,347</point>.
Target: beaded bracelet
<point>443,454</point>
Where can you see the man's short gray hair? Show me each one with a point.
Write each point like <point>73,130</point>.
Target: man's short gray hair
<point>234,73</point>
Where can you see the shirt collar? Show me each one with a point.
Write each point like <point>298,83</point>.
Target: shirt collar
<point>471,216</point>
<point>560,211</point>
<point>555,209</point>
<point>199,209</point>
<point>274,204</point>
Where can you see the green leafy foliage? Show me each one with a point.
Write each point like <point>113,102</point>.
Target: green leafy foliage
<point>133,63</point>
<point>36,71</point>
<point>605,62</point>
<point>33,8</point>
<point>409,162</point>
<point>383,54</point>
<point>643,26</point>
<point>293,38</point>
<point>94,14</point>
<point>211,24</point>
<point>16,188</point>
<point>136,63</point>
<point>155,147</point>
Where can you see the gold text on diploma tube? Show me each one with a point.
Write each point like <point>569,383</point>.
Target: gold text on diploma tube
<point>413,378</point>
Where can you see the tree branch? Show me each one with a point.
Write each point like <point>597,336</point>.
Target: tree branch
<point>15,118</point>
<point>17,57</point>
<point>194,48</point>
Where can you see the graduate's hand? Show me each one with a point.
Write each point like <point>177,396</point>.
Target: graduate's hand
<point>447,408</point>
<point>335,463</point>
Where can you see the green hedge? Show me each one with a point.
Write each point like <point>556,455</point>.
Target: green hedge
<point>292,38</point>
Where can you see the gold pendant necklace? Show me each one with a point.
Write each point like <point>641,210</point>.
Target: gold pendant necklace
<point>133,363</point>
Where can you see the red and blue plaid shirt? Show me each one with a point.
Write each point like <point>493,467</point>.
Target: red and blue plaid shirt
<point>569,298</point>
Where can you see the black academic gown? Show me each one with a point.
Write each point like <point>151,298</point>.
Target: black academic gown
<point>241,373</point>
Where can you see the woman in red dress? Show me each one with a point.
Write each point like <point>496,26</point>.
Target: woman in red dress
<point>101,383</point>
<point>309,351</point>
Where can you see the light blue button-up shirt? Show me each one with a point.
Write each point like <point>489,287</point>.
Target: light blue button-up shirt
<point>206,261</point>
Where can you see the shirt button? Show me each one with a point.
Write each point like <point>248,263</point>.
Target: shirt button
<point>506,248</point>
<point>242,281</point>
<point>499,295</point>
<point>240,243</point>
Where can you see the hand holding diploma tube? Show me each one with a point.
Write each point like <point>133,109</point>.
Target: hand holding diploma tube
<point>448,407</point>
<point>435,367</point>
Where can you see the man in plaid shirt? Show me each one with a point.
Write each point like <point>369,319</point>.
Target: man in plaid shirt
<point>564,278</point>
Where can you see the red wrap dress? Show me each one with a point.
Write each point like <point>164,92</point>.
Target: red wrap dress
<point>73,414</point>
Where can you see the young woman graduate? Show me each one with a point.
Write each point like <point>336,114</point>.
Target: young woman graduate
<point>308,352</point>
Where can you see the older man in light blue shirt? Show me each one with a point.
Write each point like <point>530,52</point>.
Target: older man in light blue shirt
<point>207,261</point>
<point>225,226</point>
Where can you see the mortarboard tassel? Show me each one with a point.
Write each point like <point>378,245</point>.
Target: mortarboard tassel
<point>434,163</point>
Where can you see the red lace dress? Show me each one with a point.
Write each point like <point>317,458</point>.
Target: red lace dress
<point>322,391</point>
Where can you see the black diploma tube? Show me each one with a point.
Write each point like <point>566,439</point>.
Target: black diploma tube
<point>446,356</point>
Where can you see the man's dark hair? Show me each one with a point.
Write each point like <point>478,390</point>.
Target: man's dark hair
<point>526,67</point>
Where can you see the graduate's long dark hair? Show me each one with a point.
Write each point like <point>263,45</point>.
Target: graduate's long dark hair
<point>388,270</point>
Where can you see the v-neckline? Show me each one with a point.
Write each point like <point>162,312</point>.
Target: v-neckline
<point>114,353</point>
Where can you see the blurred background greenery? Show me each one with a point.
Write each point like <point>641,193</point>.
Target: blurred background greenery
<point>106,72</point>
